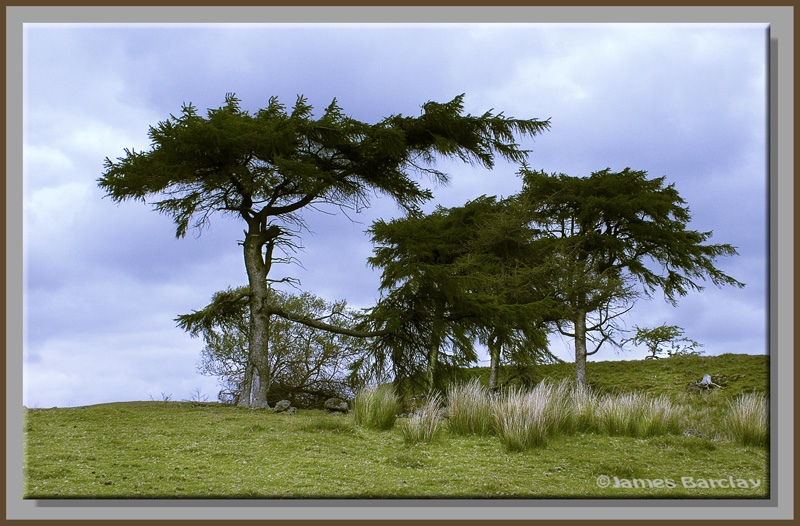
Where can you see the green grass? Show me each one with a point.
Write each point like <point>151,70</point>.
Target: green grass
<point>177,450</point>
<point>157,450</point>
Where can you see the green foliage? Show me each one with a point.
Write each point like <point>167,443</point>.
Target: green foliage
<point>231,160</point>
<point>665,339</point>
<point>265,168</point>
<point>308,365</point>
<point>376,407</point>
<point>449,279</point>
<point>617,221</point>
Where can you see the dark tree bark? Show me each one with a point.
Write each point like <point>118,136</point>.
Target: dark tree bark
<point>580,347</point>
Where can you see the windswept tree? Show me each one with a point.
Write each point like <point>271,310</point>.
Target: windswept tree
<point>265,168</point>
<point>613,236</point>
<point>451,278</point>
<point>664,339</point>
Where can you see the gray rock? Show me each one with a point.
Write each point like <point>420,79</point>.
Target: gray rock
<point>290,411</point>
<point>283,406</point>
<point>336,405</point>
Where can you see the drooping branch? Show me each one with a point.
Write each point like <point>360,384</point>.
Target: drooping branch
<point>316,324</point>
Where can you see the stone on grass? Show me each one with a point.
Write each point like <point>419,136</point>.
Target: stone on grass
<point>335,405</point>
<point>283,406</point>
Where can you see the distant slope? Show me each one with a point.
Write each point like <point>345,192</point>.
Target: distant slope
<point>737,373</point>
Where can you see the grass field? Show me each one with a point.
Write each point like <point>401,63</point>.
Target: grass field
<point>185,450</point>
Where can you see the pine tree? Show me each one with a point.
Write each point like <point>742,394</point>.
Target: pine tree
<point>611,237</point>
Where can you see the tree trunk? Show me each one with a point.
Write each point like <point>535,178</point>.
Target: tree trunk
<point>258,356</point>
<point>433,354</point>
<point>494,365</point>
<point>433,357</point>
<point>247,382</point>
<point>580,347</point>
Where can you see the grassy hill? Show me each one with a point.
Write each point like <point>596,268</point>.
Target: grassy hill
<point>737,373</point>
<point>190,450</point>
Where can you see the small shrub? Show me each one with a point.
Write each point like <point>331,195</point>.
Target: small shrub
<point>376,407</point>
<point>746,420</point>
<point>469,409</point>
<point>423,425</point>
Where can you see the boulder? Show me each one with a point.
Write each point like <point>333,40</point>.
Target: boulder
<point>283,406</point>
<point>335,405</point>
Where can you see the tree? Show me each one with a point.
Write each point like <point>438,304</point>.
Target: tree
<point>308,364</point>
<point>450,278</point>
<point>664,339</point>
<point>265,168</point>
<point>608,233</point>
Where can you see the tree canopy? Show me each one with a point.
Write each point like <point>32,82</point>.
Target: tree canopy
<point>274,162</point>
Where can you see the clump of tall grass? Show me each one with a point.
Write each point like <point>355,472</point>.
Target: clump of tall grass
<point>469,409</point>
<point>746,420</point>
<point>661,417</point>
<point>423,425</point>
<point>529,418</point>
<point>560,409</point>
<point>376,407</point>
<point>583,403</point>
<point>636,415</point>
<point>622,414</point>
<point>520,419</point>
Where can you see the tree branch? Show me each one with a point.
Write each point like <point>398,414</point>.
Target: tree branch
<point>309,322</point>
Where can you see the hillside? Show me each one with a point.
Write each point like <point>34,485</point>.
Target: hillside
<point>737,373</point>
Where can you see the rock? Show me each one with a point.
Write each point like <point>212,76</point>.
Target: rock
<point>335,405</point>
<point>291,411</point>
<point>283,406</point>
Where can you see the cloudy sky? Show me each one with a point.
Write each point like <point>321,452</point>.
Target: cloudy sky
<point>103,282</point>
